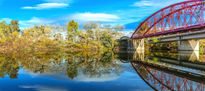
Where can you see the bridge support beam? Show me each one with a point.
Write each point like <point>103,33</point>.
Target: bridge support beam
<point>188,45</point>
<point>136,44</point>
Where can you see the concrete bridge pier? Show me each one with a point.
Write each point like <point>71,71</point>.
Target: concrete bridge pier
<point>138,56</point>
<point>188,45</point>
<point>188,55</point>
<point>136,44</point>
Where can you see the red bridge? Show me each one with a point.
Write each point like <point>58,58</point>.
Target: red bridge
<point>181,17</point>
<point>183,22</point>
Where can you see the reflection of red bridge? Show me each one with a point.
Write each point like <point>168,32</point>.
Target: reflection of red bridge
<point>177,22</point>
<point>163,78</point>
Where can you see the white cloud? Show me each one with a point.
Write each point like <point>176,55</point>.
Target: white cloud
<point>47,6</point>
<point>37,21</point>
<point>155,3</point>
<point>143,3</point>
<point>50,4</point>
<point>102,78</point>
<point>96,17</point>
<point>7,20</point>
<point>43,88</point>
<point>58,1</point>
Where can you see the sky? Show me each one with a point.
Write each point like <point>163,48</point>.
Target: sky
<point>36,12</point>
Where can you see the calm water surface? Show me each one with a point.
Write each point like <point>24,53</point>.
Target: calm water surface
<point>102,72</point>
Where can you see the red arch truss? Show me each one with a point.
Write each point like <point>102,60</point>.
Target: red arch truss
<point>175,18</point>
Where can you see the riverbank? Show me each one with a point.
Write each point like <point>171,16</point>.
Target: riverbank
<point>48,38</point>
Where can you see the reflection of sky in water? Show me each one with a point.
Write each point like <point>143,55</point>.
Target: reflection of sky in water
<point>28,81</point>
<point>101,75</point>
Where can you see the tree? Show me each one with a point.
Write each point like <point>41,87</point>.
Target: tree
<point>118,28</point>
<point>107,39</point>
<point>4,33</point>
<point>90,27</point>
<point>72,28</point>
<point>14,26</point>
<point>58,37</point>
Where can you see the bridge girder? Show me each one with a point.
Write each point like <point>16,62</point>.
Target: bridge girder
<point>180,17</point>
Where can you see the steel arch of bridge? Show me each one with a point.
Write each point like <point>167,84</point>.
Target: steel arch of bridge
<point>180,17</point>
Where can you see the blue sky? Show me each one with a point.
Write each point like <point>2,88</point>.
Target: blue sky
<point>36,12</point>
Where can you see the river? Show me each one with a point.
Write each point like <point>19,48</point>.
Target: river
<point>103,71</point>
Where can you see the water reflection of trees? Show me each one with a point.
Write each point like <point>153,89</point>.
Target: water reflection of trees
<point>94,66</point>
<point>90,64</point>
<point>8,66</point>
